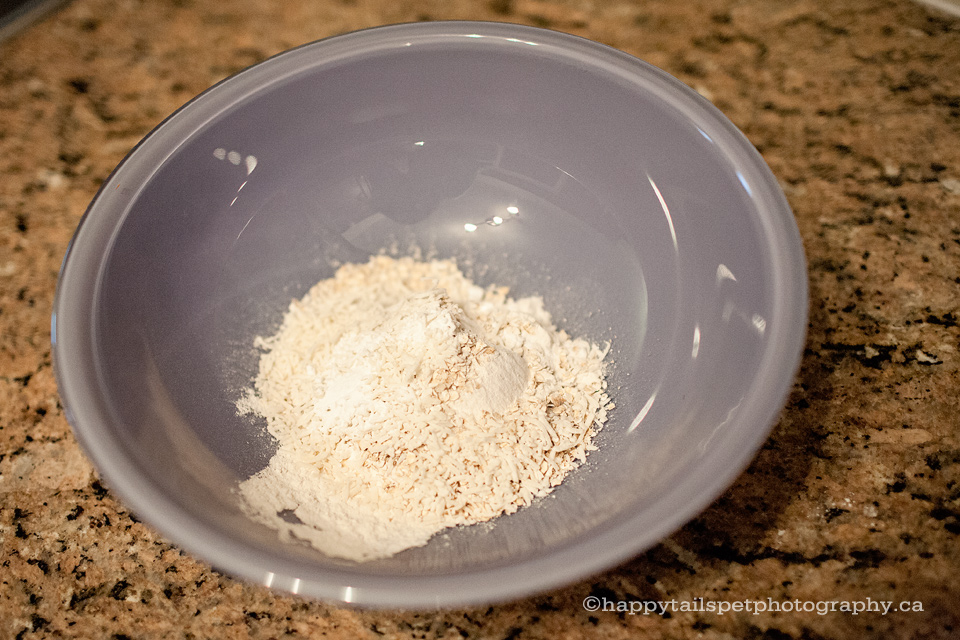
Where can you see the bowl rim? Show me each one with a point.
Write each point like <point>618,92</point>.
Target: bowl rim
<point>575,560</point>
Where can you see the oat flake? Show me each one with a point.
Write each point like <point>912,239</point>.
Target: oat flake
<point>405,400</point>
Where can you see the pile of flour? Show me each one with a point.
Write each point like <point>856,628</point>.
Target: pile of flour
<point>405,400</point>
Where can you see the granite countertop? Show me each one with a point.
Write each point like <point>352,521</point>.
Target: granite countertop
<point>855,104</point>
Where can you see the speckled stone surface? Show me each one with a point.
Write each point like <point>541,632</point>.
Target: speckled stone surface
<point>855,104</point>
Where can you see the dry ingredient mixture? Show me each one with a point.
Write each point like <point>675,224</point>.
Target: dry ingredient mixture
<point>405,400</point>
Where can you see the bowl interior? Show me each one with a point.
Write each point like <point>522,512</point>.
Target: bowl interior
<point>642,218</point>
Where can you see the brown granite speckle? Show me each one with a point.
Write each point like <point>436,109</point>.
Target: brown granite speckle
<point>855,105</point>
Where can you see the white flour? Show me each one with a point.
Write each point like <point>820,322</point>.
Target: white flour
<point>405,400</point>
